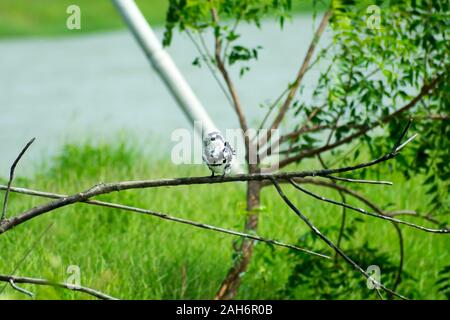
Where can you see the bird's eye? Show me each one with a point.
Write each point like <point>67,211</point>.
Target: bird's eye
<point>212,139</point>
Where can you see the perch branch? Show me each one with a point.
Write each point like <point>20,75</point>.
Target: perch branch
<point>166,217</point>
<point>126,185</point>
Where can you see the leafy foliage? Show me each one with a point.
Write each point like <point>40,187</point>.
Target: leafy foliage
<point>444,281</point>
<point>378,60</point>
<point>386,62</point>
<point>195,15</point>
<point>336,279</point>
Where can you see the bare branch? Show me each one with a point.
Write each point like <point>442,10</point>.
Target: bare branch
<point>374,207</point>
<point>400,147</point>
<point>360,180</point>
<point>207,58</point>
<point>329,242</point>
<point>15,287</point>
<point>425,90</point>
<point>436,117</point>
<point>364,200</point>
<point>413,213</point>
<point>28,252</point>
<point>13,280</point>
<point>126,185</point>
<point>360,210</point>
<point>11,178</point>
<point>272,107</point>
<point>402,135</point>
<point>304,67</point>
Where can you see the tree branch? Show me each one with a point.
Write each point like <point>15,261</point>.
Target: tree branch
<point>363,199</point>
<point>301,73</point>
<point>425,90</point>
<point>329,242</point>
<point>13,280</point>
<point>126,185</point>
<point>207,58</point>
<point>105,188</point>
<point>11,178</point>
<point>166,217</point>
<point>360,210</point>
<point>360,180</point>
<point>233,91</point>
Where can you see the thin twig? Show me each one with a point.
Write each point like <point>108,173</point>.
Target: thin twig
<point>28,252</point>
<point>11,178</point>
<point>206,58</point>
<point>329,242</point>
<point>413,213</point>
<point>398,277</point>
<point>363,199</point>
<point>272,107</point>
<point>377,209</point>
<point>424,91</point>
<point>231,87</point>
<point>379,293</point>
<point>360,210</point>
<point>15,287</point>
<point>168,217</point>
<point>43,282</point>
<point>344,211</point>
<point>359,180</point>
<point>302,71</point>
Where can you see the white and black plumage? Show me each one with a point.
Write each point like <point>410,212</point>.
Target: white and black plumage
<point>217,154</point>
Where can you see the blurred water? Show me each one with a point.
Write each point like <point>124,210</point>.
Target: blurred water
<point>92,87</point>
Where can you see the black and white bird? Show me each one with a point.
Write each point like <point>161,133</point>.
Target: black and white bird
<point>217,154</point>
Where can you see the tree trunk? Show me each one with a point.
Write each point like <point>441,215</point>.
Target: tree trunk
<point>244,252</point>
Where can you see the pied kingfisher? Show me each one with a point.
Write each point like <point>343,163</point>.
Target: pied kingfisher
<point>217,153</point>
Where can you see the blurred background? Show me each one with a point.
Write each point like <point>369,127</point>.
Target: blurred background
<point>93,84</point>
<point>101,113</point>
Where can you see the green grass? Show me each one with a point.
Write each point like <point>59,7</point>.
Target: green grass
<point>134,256</point>
<point>48,17</point>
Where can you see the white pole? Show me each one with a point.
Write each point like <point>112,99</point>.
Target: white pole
<point>166,68</point>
